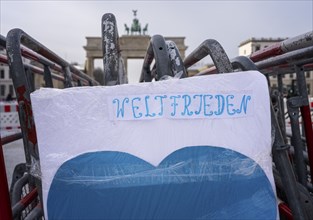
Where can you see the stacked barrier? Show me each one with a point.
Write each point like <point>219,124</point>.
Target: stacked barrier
<point>290,56</point>
<point>292,152</point>
<point>23,200</point>
<point>9,116</point>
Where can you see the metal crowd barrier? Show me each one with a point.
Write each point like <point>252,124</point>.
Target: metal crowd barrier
<point>26,58</point>
<point>167,59</point>
<point>292,157</point>
<point>113,64</point>
<point>292,153</point>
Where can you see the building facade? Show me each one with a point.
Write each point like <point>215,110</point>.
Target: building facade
<point>6,84</point>
<point>252,45</point>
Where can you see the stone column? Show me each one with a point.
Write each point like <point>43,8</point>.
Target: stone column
<point>125,63</point>
<point>90,66</point>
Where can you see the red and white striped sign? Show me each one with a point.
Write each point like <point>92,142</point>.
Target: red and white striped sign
<point>9,116</point>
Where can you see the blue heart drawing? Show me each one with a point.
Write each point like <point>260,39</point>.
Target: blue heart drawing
<point>197,182</point>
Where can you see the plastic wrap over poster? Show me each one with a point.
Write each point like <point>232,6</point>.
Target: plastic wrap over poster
<point>194,148</point>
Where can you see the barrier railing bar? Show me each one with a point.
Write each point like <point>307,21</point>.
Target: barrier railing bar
<point>11,138</point>
<point>297,142</point>
<point>17,189</point>
<point>3,59</point>
<point>24,202</point>
<point>35,69</point>
<point>243,63</point>
<point>288,68</point>
<point>2,40</point>
<point>21,85</point>
<point>68,79</point>
<point>305,154</point>
<point>285,210</point>
<point>27,53</point>
<point>145,75</point>
<point>177,64</point>
<point>235,62</point>
<point>15,55</point>
<point>211,70</point>
<point>110,49</point>
<point>284,68</point>
<point>47,75</point>
<point>291,44</point>
<point>35,213</point>
<point>282,163</point>
<point>215,50</point>
<point>286,58</point>
<point>30,79</point>
<point>282,105</point>
<point>157,50</point>
<point>36,57</point>
<point>44,55</point>
<point>113,66</point>
<point>5,203</point>
<point>306,115</point>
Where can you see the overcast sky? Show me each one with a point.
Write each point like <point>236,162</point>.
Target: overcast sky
<point>63,25</point>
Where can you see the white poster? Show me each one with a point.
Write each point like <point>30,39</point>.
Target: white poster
<point>178,149</point>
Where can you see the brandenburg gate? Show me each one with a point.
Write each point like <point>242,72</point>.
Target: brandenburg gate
<point>132,46</point>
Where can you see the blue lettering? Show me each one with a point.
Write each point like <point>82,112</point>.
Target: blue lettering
<point>206,105</point>
<point>185,105</point>
<point>174,104</point>
<point>200,104</point>
<point>232,112</point>
<point>120,109</point>
<point>135,107</point>
<point>220,104</point>
<point>147,107</point>
<point>187,102</point>
<point>244,104</point>
<point>161,103</point>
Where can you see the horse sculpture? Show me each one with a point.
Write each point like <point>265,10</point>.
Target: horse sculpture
<point>126,29</point>
<point>135,26</point>
<point>145,29</point>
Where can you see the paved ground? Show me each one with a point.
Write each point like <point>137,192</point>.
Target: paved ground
<point>13,154</point>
